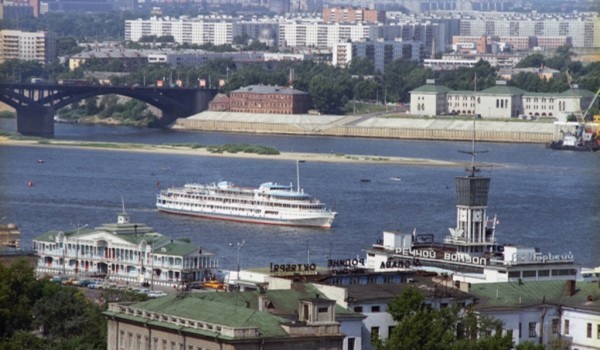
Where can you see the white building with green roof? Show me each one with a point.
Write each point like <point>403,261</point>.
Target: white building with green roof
<point>429,99</point>
<point>544,312</point>
<point>499,101</point>
<point>267,319</point>
<point>123,252</point>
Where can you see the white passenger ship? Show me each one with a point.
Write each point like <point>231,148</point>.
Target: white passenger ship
<point>271,203</point>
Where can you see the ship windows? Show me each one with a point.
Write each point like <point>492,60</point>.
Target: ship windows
<point>529,273</point>
<point>543,273</point>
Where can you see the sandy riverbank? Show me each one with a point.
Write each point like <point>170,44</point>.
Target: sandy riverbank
<point>185,150</point>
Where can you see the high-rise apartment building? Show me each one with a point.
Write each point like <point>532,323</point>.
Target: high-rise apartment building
<point>28,46</point>
<point>380,52</point>
<point>584,29</point>
<point>197,31</point>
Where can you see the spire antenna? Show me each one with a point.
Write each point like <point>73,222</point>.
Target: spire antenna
<point>473,169</point>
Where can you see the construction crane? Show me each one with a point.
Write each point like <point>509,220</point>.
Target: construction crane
<point>585,137</point>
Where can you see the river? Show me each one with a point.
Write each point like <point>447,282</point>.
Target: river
<point>543,198</point>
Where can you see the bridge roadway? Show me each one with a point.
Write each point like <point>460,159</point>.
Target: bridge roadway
<point>36,104</point>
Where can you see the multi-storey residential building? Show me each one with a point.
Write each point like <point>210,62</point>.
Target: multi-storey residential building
<point>269,99</point>
<point>318,35</point>
<point>28,46</point>
<point>380,52</point>
<point>123,251</point>
<point>218,31</point>
<point>582,28</point>
<point>352,15</point>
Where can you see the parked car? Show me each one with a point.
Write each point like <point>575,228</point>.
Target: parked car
<point>94,285</point>
<point>157,294</point>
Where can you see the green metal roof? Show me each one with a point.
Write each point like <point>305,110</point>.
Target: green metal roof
<point>542,94</point>
<point>509,295</point>
<point>578,93</point>
<point>215,312</point>
<point>502,90</point>
<point>431,89</point>
<point>461,92</point>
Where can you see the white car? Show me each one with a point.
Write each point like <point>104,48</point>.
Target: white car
<point>156,294</point>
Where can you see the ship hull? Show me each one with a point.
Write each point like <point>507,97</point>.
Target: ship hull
<point>318,222</point>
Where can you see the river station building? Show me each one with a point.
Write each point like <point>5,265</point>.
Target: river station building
<point>123,252</point>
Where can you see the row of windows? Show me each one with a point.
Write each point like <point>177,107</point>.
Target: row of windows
<point>143,343</point>
<point>538,107</point>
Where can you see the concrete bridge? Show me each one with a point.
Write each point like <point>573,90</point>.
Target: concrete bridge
<point>36,104</point>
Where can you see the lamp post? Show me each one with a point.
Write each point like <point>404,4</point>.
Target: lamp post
<point>239,246</point>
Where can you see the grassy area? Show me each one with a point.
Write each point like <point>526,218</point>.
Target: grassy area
<point>244,148</point>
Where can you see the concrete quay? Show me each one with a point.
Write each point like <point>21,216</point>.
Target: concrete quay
<point>373,125</point>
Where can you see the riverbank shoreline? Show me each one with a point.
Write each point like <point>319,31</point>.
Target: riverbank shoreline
<point>373,126</point>
<point>190,151</point>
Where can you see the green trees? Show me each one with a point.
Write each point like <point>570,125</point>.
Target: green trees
<point>422,327</point>
<point>43,315</point>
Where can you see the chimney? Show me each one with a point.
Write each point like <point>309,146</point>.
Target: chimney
<point>570,288</point>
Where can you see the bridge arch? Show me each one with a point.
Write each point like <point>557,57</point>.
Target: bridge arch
<point>36,103</point>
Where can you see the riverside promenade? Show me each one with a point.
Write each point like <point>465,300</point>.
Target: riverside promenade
<point>378,125</point>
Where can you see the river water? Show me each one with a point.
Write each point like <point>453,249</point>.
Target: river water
<point>543,198</point>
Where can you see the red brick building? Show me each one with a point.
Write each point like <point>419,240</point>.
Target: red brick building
<point>219,103</point>
<point>352,15</point>
<point>269,99</point>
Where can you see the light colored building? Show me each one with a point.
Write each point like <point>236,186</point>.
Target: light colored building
<point>380,52</point>
<point>268,319</point>
<point>429,99</point>
<point>543,312</point>
<point>123,251</point>
<point>500,101</point>
<point>200,30</point>
<point>581,27</point>
<point>28,46</point>
<point>542,72</point>
<point>293,34</point>
<point>131,59</point>
<point>371,294</point>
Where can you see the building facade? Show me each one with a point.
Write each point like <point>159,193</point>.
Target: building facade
<point>238,320</point>
<point>123,252</point>
<point>500,101</point>
<point>544,312</point>
<point>199,30</point>
<point>269,99</point>
<point>27,46</point>
<point>581,27</point>
<point>352,15</point>
<point>381,53</point>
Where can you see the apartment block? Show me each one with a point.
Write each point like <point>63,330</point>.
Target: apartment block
<point>380,52</point>
<point>28,46</point>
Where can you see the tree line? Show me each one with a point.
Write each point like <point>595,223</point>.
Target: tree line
<point>332,89</point>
